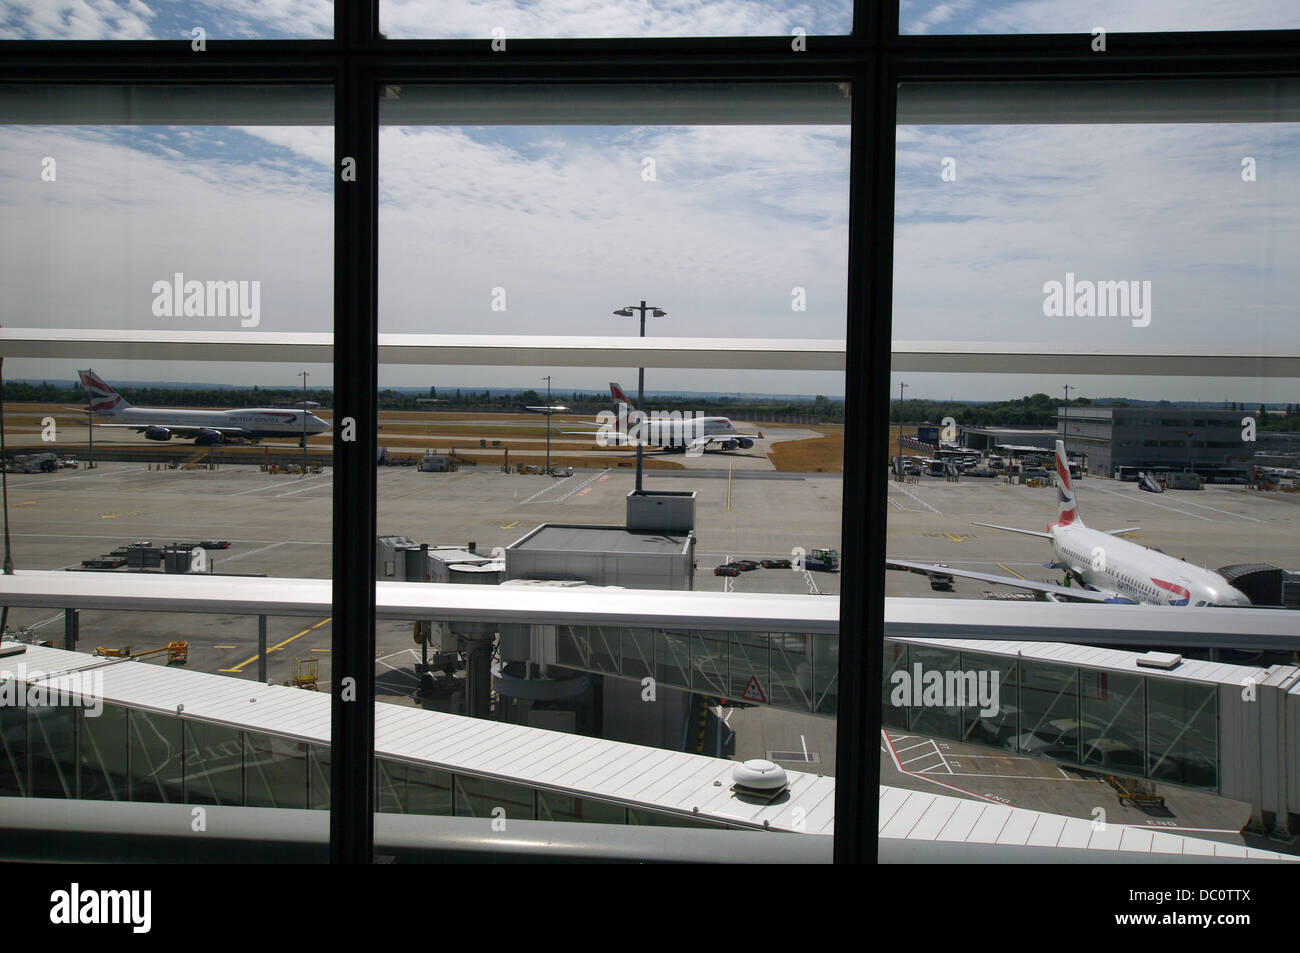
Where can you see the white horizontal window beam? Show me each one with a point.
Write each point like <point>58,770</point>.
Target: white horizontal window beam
<point>999,357</point>
<point>428,349</point>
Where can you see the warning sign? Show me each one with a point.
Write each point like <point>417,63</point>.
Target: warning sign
<point>753,692</point>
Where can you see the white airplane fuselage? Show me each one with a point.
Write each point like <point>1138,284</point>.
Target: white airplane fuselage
<point>258,422</point>
<point>1110,564</point>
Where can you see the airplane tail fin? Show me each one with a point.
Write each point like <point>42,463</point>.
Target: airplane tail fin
<point>1067,513</point>
<point>103,399</point>
<point>619,397</point>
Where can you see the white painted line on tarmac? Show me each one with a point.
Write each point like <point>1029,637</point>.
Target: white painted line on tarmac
<point>547,489</point>
<point>280,485</point>
<point>918,499</point>
<point>1127,498</point>
<point>251,552</point>
<point>304,489</point>
<point>583,485</point>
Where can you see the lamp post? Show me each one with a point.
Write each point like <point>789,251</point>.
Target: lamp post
<point>548,424</point>
<point>640,375</point>
<point>1065,425</point>
<point>303,375</point>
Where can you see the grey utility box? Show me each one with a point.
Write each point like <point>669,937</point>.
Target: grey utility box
<point>661,511</point>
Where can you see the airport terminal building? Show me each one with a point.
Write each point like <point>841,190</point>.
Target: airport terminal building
<point>1174,437</point>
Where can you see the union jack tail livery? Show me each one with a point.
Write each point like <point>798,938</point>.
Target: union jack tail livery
<point>103,399</point>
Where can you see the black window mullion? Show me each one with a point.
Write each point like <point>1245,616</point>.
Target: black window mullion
<point>356,371</point>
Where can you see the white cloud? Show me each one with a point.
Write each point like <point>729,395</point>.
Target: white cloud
<point>1082,16</point>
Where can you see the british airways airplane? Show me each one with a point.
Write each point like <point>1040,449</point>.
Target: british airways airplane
<point>1107,569</point>
<point>671,430</point>
<point>206,427</point>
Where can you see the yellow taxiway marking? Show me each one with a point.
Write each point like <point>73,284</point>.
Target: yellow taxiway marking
<point>955,539</point>
<point>225,646</point>
<point>275,647</point>
<point>28,503</point>
<point>113,516</point>
<point>1012,571</point>
<point>511,525</point>
<point>320,650</point>
<point>416,493</point>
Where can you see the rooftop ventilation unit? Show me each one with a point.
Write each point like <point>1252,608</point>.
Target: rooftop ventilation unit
<point>1163,660</point>
<point>759,779</point>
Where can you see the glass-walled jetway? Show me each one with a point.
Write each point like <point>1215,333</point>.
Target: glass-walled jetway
<point>1230,729</point>
<point>125,754</point>
<point>75,726</point>
<point>790,670</point>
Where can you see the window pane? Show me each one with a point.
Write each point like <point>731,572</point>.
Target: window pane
<point>275,771</point>
<point>439,19</point>
<point>127,20</point>
<point>157,766</point>
<point>535,211</point>
<point>1057,255</point>
<point>1084,16</point>
<point>214,764</point>
<point>103,748</point>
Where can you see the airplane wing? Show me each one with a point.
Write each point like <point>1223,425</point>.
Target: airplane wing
<point>1046,588</point>
<point>1013,529</point>
<point>1126,529</point>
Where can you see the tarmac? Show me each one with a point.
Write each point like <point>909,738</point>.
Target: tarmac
<point>281,525</point>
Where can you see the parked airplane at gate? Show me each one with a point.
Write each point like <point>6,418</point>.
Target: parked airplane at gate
<point>1108,569</point>
<point>206,427</point>
<point>674,431</point>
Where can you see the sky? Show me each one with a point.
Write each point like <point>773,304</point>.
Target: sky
<point>564,224</point>
<point>466,19</point>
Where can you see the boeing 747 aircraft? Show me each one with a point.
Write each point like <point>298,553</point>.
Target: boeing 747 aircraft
<point>674,431</point>
<point>204,426</point>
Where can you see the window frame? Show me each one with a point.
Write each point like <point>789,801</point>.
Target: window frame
<point>874,58</point>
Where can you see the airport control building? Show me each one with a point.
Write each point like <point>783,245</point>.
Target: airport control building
<point>1173,437</point>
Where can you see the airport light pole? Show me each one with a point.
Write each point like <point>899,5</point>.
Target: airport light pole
<point>548,424</point>
<point>640,375</point>
<point>303,375</point>
<point>901,385</point>
<point>1065,426</point>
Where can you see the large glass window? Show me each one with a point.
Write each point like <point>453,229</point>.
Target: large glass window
<point>499,23</point>
<point>1086,16</point>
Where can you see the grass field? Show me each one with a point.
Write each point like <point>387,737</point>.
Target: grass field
<point>814,455</point>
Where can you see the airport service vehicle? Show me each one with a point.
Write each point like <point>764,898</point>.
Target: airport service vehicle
<point>1108,569</point>
<point>744,565</point>
<point>941,581</point>
<point>774,563</point>
<point>206,427</point>
<point>727,569</point>
<point>671,431</point>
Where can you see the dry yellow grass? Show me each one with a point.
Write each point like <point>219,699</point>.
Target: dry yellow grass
<point>814,455</point>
